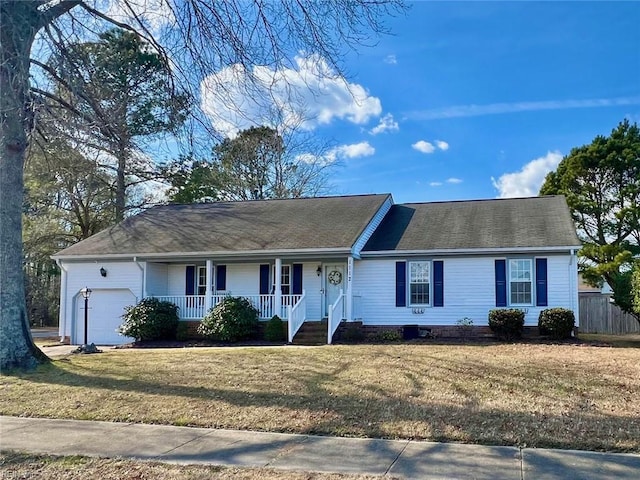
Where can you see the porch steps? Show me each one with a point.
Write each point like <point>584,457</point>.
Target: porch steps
<point>312,333</point>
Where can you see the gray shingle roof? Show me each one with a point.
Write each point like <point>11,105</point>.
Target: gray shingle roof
<point>482,224</point>
<point>307,223</point>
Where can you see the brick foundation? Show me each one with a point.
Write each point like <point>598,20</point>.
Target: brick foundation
<point>431,331</point>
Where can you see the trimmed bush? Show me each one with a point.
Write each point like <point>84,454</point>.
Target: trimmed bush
<point>556,323</point>
<point>274,330</point>
<point>506,324</point>
<point>233,319</point>
<point>151,319</point>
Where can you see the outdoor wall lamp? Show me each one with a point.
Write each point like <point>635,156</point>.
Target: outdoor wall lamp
<point>103,272</point>
<point>319,270</point>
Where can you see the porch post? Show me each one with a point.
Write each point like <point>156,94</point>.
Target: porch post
<point>208,289</point>
<point>349,289</point>
<point>277,302</point>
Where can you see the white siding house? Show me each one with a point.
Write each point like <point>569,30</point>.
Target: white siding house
<point>344,259</point>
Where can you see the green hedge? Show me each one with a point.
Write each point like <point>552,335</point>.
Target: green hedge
<point>556,323</point>
<point>274,330</point>
<point>506,324</point>
<point>151,319</point>
<point>233,319</point>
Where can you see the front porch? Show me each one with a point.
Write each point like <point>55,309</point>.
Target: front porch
<point>327,293</point>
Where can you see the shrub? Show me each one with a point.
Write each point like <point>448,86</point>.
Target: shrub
<point>233,319</point>
<point>557,323</point>
<point>352,333</point>
<point>464,326</point>
<point>506,324</point>
<point>151,319</point>
<point>274,330</point>
<point>385,336</point>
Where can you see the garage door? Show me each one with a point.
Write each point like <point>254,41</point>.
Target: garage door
<point>106,307</point>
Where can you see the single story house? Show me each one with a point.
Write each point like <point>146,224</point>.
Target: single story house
<point>358,258</point>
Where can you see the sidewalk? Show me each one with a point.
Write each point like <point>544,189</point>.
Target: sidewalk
<point>395,458</point>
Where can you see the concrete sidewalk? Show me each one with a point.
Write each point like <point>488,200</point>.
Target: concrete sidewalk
<point>394,458</point>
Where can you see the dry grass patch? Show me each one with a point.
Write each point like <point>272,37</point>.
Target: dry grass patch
<point>15,465</point>
<point>563,396</point>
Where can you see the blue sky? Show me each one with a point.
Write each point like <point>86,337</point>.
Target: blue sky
<point>502,83</point>
<point>464,100</point>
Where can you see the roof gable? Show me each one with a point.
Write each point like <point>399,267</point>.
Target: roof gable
<point>536,222</point>
<point>234,227</point>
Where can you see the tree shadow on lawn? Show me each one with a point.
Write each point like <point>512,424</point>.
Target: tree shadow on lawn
<point>377,413</point>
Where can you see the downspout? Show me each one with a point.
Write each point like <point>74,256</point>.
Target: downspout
<point>143,270</point>
<point>573,285</point>
<point>62,315</point>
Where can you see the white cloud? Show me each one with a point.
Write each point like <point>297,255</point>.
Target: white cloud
<point>424,147</point>
<point>307,95</point>
<point>442,145</point>
<point>391,59</point>
<point>472,110</point>
<point>435,184</point>
<point>527,181</point>
<point>355,150</point>
<point>454,180</point>
<point>387,124</point>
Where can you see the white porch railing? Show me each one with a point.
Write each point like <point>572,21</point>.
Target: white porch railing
<point>297,315</point>
<point>336,314</point>
<point>190,307</point>
<point>193,307</point>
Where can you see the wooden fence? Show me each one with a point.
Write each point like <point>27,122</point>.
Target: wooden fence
<point>598,315</point>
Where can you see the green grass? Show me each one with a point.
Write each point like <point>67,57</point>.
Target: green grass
<point>564,396</point>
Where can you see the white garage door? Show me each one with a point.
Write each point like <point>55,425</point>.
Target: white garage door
<point>106,307</point>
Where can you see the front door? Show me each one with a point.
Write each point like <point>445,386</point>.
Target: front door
<point>334,281</point>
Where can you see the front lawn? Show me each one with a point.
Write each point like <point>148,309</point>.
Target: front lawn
<point>566,396</point>
<point>16,465</point>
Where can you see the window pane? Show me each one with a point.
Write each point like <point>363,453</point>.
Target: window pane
<point>419,293</point>
<point>520,292</point>
<point>419,272</point>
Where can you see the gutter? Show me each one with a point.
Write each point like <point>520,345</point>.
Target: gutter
<point>466,251</point>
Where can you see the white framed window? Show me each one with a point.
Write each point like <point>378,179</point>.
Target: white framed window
<point>202,281</point>
<point>419,283</point>
<point>285,279</point>
<point>521,281</point>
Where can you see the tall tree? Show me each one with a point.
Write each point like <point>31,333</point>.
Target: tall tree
<point>123,92</point>
<point>601,182</point>
<point>199,36</point>
<point>192,181</point>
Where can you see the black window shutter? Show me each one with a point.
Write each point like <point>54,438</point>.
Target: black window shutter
<point>190,280</point>
<point>221,277</point>
<point>297,279</point>
<point>264,279</point>
<point>438,283</point>
<point>501,283</point>
<point>401,284</point>
<point>541,282</point>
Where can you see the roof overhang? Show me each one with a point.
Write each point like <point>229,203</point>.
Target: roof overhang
<point>469,251</point>
<point>220,255</point>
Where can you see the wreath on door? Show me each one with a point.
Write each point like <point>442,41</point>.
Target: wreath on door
<point>335,277</point>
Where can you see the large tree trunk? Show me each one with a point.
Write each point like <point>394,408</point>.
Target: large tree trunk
<point>18,27</point>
